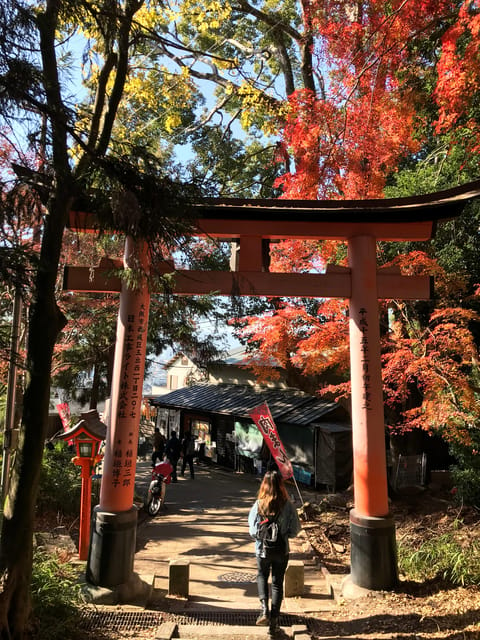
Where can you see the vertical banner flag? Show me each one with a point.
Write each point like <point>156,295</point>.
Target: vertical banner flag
<point>64,411</point>
<point>263,419</point>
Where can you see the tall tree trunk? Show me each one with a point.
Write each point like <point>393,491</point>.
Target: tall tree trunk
<point>16,542</point>
<point>46,321</point>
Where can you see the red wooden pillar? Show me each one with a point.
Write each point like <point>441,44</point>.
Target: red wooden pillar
<point>112,548</point>
<point>373,552</point>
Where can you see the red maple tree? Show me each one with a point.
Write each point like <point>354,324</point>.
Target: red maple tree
<point>348,135</point>
<point>346,138</point>
<point>459,75</point>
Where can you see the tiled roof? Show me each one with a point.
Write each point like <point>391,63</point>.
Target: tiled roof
<point>286,405</point>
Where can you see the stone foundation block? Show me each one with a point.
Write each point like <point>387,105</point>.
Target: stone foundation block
<point>294,578</point>
<point>178,578</point>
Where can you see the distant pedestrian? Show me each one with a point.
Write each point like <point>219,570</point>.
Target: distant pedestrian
<point>200,450</point>
<point>188,451</point>
<point>172,452</point>
<point>158,446</point>
<point>272,506</point>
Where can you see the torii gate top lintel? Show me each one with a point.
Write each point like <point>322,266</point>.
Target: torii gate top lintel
<point>408,218</point>
<point>248,222</point>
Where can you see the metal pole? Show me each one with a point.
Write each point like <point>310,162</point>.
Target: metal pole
<point>11,390</point>
<point>298,490</point>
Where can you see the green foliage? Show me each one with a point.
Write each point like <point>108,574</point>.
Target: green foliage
<point>442,557</point>
<point>466,471</point>
<point>228,166</point>
<point>57,598</point>
<point>455,243</point>
<point>467,484</point>
<point>60,481</point>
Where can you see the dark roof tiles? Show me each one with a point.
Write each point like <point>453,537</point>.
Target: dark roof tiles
<point>289,406</point>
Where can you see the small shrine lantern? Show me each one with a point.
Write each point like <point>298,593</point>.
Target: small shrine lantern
<point>87,435</point>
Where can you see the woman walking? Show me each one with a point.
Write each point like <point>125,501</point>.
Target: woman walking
<point>272,521</point>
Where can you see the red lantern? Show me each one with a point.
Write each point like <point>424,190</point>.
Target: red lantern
<point>87,435</point>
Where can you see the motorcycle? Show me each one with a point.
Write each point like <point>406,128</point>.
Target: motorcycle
<point>161,476</point>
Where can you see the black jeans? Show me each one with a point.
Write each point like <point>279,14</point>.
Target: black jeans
<point>174,463</point>
<point>188,460</point>
<point>157,453</point>
<point>278,565</point>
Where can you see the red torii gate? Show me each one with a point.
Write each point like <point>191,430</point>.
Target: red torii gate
<point>251,223</point>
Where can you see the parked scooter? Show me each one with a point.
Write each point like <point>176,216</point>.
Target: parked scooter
<point>161,476</point>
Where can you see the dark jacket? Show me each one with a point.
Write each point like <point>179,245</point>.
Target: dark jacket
<point>172,449</point>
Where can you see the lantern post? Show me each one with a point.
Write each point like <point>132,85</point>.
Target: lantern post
<point>87,436</point>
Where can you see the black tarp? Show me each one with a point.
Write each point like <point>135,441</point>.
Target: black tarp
<point>334,456</point>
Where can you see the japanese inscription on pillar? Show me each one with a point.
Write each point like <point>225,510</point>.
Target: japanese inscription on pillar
<point>130,398</point>
<point>363,326</point>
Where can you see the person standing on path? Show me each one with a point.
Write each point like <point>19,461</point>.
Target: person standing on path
<point>188,451</point>
<point>158,446</point>
<point>172,452</point>
<point>272,505</point>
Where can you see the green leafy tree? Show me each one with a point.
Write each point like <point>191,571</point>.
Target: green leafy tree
<point>77,158</point>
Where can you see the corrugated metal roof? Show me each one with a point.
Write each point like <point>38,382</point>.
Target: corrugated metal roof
<point>289,406</point>
<point>333,427</point>
<point>240,357</point>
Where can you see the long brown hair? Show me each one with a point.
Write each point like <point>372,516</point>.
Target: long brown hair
<point>272,494</point>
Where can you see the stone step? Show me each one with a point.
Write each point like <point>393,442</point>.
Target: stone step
<point>238,632</point>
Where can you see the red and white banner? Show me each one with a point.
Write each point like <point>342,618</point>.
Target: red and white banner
<point>263,419</point>
<point>64,412</point>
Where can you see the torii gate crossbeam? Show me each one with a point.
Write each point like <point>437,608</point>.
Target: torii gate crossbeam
<point>251,223</point>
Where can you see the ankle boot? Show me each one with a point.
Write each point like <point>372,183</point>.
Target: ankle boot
<point>274,626</point>
<point>263,618</point>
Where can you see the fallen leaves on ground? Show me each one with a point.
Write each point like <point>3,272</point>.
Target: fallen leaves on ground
<point>423,610</point>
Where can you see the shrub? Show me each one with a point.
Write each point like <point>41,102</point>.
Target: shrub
<point>57,598</point>
<point>466,472</point>
<point>467,485</point>
<point>60,481</point>
<point>442,557</point>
